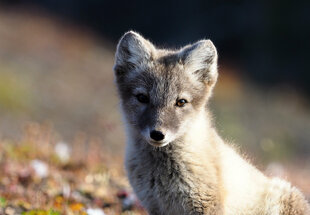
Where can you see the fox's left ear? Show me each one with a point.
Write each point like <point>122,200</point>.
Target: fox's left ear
<point>201,59</point>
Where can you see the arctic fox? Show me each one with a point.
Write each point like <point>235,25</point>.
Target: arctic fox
<point>175,160</point>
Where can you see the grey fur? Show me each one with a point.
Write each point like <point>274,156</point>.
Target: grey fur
<point>185,173</point>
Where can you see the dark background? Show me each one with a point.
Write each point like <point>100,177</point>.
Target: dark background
<point>269,39</point>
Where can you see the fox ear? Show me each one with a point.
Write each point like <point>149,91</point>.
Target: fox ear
<point>201,59</point>
<point>132,50</point>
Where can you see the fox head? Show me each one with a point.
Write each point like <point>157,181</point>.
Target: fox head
<point>162,91</point>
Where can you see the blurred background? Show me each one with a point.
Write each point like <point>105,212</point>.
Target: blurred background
<point>56,60</point>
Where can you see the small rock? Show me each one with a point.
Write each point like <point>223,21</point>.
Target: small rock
<point>129,200</point>
<point>63,151</point>
<point>40,168</point>
<point>95,211</point>
<point>9,211</point>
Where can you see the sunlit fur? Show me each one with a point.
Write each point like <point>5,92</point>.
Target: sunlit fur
<point>190,171</point>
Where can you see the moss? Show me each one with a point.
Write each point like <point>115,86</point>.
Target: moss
<point>15,94</point>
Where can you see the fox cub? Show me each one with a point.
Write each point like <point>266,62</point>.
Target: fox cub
<point>175,160</point>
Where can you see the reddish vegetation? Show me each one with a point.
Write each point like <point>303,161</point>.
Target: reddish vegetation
<point>34,176</point>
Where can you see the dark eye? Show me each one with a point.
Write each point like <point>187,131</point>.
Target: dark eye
<point>142,98</point>
<point>181,102</point>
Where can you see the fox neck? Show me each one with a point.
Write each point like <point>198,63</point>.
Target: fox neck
<point>201,139</point>
<point>198,132</point>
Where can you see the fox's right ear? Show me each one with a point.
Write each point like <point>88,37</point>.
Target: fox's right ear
<point>132,51</point>
<point>201,59</point>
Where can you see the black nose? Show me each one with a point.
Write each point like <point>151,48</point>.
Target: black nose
<point>157,135</point>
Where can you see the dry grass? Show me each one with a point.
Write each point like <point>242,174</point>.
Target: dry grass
<point>89,178</point>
